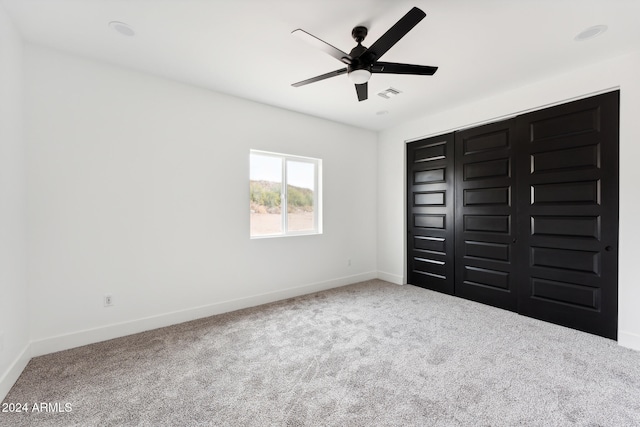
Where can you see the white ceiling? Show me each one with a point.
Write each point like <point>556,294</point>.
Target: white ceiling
<point>245,47</point>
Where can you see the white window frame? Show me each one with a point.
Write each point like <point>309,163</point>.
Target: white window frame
<point>317,194</point>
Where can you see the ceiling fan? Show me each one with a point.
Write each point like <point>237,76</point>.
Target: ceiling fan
<point>362,62</point>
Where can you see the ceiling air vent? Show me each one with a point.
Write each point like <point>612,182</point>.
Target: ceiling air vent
<point>389,93</point>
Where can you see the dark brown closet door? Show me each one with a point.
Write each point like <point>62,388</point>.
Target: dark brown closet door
<point>485,215</point>
<point>568,214</point>
<point>430,247</point>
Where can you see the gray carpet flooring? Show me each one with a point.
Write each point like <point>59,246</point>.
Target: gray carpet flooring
<point>370,354</point>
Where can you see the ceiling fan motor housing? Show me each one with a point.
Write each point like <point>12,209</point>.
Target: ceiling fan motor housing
<point>359,62</point>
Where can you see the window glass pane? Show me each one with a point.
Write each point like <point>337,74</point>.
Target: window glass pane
<point>300,196</point>
<point>285,195</point>
<point>265,189</point>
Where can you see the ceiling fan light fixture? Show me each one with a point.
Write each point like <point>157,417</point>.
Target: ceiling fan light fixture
<point>360,76</point>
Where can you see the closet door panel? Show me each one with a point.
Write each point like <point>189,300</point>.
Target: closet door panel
<point>568,214</point>
<point>430,245</point>
<point>485,215</point>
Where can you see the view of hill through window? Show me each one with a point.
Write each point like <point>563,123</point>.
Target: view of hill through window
<point>268,172</point>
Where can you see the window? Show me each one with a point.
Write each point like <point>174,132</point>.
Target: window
<point>281,180</point>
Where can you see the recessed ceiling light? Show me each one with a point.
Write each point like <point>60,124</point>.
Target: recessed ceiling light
<point>590,33</point>
<point>122,28</point>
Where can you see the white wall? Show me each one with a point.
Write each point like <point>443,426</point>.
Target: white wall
<point>14,324</point>
<point>620,72</point>
<point>138,187</point>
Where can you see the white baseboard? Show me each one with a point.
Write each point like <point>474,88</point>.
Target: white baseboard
<point>90,336</point>
<point>629,340</point>
<point>393,278</point>
<point>10,377</point>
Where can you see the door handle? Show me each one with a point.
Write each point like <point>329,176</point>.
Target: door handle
<point>608,248</point>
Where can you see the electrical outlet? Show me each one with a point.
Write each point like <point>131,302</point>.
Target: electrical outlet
<point>108,300</point>
<point>349,262</point>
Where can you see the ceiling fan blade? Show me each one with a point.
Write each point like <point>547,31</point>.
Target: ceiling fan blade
<point>323,46</point>
<point>321,77</point>
<point>362,91</point>
<point>395,68</point>
<point>394,34</point>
